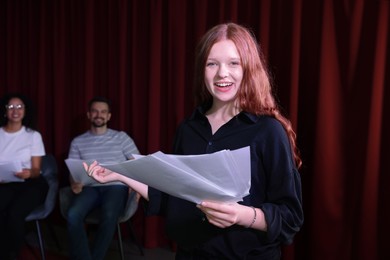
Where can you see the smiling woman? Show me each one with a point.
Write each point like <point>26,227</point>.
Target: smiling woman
<point>223,76</point>
<point>233,112</point>
<point>329,61</point>
<point>14,114</point>
<point>21,144</point>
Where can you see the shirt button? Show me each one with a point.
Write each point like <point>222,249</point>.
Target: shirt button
<point>210,143</point>
<point>203,219</point>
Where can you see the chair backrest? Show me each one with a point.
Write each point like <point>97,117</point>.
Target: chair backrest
<point>49,171</point>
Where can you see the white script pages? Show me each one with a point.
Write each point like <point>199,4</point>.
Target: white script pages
<point>8,170</point>
<point>220,176</point>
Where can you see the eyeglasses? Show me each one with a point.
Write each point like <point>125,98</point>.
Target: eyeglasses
<point>14,107</point>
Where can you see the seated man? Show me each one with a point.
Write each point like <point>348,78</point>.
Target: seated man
<point>108,146</point>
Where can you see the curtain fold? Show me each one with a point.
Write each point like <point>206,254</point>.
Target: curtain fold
<point>330,69</point>
<point>327,208</point>
<point>369,203</point>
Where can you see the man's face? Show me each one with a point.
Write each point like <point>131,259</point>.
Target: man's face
<point>99,114</point>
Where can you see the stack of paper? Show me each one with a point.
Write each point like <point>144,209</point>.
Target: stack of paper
<point>221,176</point>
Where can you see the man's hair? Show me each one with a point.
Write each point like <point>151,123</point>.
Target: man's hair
<point>99,99</point>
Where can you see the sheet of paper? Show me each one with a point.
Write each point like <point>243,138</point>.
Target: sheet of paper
<point>8,170</point>
<point>77,171</point>
<point>221,176</point>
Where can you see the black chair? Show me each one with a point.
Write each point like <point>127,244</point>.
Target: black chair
<point>49,172</point>
<point>131,207</point>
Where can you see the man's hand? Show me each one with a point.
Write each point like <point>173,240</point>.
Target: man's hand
<point>76,187</point>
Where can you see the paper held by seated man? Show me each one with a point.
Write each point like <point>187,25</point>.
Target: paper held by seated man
<point>220,176</point>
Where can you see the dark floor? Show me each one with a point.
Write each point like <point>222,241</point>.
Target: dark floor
<point>54,251</point>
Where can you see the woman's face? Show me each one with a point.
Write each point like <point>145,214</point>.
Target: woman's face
<point>15,110</point>
<point>223,72</point>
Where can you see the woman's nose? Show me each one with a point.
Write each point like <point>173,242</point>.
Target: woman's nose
<point>223,72</point>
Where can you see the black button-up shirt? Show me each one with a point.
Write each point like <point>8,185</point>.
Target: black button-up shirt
<point>275,188</point>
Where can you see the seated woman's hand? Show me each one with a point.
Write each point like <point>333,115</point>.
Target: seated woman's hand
<point>100,173</point>
<point>24,174</point>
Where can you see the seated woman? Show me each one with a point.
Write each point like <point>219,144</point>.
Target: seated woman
<point>19,143</point>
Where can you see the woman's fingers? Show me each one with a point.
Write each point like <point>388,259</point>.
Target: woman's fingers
<point>219,214</point>
<point>86,166</point>
<point>90,168</point>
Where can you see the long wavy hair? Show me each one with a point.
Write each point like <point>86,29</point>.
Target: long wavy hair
<point>255,93</point>
<point>28,119</point>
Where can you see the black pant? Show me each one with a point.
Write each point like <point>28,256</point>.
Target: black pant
<point>17,200</point>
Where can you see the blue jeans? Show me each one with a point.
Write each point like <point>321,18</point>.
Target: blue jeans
<point>112,200</point>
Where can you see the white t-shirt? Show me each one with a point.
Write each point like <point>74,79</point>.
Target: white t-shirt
<point>20,146</point>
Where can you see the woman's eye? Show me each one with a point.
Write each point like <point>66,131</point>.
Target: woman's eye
<point>210,64</point>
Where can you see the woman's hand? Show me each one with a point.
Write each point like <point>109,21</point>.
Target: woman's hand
<point>24,174</point>
<point>224,215</point>
<point>100,173</point>
<point>220,214</point>
<point>104,175</point>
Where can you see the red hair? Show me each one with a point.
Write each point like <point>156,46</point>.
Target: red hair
<point>255,93</point>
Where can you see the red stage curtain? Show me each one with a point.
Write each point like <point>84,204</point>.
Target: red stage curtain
<point>330,64</point>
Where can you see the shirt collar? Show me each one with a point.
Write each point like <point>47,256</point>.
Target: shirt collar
<point>201,110</point>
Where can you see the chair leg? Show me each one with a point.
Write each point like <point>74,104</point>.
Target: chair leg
<point>53,235</point>
<point>40,239</point>
<point>134,238</point>
<point>120,242</point>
